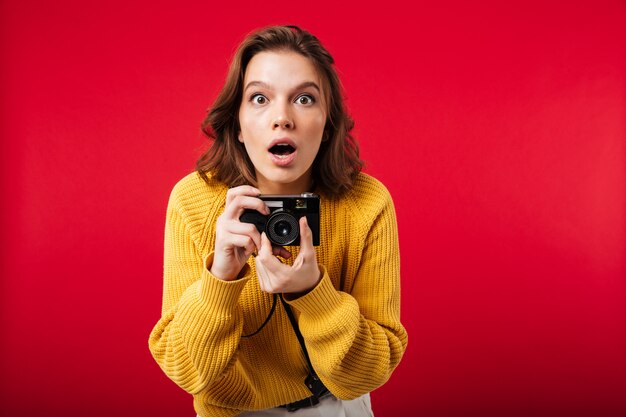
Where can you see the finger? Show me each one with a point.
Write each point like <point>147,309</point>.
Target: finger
<point>280,251</point>
<point>235,209</point>
<point>263,258</point>
<point>306,236</point>
<point>307,250</point>
<point>265,251</point>
<point>271,264</point>
<point>245,229</point>
<point>241,241</point>
<point>241,190</point>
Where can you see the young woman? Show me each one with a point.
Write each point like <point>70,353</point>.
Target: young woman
<point>279,127</point>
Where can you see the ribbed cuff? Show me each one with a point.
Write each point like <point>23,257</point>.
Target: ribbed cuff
<point>320,300</point>
<point>223,295</point>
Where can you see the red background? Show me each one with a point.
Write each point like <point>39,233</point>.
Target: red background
<point>499,130</point>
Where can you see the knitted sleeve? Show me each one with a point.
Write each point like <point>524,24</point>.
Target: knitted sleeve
<point>200,327</point>
<point>356,340</point>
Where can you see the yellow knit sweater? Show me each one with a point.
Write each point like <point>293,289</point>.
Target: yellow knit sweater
<point>350,321</point>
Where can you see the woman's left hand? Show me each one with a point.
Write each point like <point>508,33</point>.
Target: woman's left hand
<point>276,277</point>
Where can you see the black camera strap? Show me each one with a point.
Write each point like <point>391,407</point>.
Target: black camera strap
<point>313,382</point>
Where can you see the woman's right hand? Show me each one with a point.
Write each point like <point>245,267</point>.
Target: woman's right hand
<point>236,241</point>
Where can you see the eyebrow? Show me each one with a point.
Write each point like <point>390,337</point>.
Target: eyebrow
<point>268,87</point>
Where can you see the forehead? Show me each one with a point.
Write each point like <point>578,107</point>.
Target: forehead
<point>281,69</point>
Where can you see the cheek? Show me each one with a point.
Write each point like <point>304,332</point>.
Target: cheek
<point>244,121</point>
<point>316,123</point>
<point>321,121</point>
<point>248,122</point>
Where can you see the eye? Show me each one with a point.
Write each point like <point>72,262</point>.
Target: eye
<point>258,99</point>
<point>305,99</point>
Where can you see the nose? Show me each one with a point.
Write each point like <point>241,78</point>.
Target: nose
<point>283,122</point>
<point>282,118</point>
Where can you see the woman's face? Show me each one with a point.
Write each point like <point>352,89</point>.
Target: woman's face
<point>282,118</point>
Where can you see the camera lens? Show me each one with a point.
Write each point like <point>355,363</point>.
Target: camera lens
<point>282,228</point>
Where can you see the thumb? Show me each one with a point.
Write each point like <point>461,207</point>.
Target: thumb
<point>266,246</point>
<point>306,236</point>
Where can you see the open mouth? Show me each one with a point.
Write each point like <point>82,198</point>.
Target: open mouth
<point>282,149</point>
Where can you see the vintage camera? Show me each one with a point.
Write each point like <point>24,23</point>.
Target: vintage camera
<point>282,225</point>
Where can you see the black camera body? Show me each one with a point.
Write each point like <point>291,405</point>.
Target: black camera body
<point>282,225</point>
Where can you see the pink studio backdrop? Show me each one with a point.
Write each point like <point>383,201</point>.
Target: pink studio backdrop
<point>498,128</point>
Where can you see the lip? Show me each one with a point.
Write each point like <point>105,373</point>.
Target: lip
<point>286,160</point>
<point>285,140</point>
<point>283,161</point>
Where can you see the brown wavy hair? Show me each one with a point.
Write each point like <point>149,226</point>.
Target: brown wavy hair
<point>337,162</point>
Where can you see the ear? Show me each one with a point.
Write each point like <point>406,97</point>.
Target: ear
<point>239,137</point>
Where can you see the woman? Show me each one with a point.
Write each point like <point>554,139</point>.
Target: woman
<point>279,127</point>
